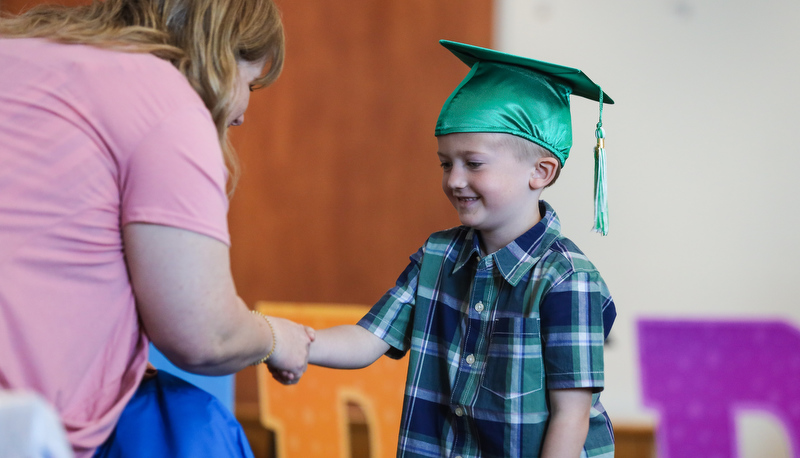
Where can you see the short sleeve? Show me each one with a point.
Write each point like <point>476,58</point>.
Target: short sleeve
<point>573,331</point>
<point>176,176</point>
<point>391,318</point>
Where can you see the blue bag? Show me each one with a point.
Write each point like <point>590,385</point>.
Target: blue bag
<point>169,417</point>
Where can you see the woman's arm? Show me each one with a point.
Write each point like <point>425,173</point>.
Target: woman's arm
<point>190,310</point>
<point>568,424</point>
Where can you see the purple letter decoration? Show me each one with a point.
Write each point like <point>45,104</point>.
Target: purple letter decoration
<point>696,374</point>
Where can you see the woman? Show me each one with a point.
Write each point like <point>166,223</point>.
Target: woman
<point>114,177</point>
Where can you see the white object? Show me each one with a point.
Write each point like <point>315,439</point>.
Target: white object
<point>30,427</point>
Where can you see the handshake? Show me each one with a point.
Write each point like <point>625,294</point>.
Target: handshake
<point>347,346</point>
<point>292,344</point>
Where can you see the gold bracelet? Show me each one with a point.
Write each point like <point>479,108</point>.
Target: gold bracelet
<point>274,340</point>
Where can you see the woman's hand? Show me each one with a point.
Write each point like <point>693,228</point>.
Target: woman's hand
<point>292,343</point>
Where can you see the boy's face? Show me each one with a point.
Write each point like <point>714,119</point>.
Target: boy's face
<point>489,185</point>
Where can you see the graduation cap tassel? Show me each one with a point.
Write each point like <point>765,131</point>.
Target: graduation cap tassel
<point>600,189</point>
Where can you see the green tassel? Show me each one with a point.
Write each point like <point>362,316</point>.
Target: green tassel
<point>600,187</point>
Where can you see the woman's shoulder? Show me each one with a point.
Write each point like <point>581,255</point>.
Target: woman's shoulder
<point>118,98</point>
<point>97,70</point>
<point>52,53</point>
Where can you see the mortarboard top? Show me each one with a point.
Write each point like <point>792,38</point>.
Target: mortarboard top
<point>505,93</point>
<point>515,95</point>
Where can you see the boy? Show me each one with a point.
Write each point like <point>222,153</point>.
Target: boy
<point>504,318</point>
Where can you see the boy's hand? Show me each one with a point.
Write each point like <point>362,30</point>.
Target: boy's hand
<point>284,377</point>
<point>292,342</point>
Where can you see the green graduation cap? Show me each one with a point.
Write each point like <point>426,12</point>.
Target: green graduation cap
<point>504,93</point>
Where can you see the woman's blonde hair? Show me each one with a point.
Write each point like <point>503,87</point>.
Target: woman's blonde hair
<point>202,38</point>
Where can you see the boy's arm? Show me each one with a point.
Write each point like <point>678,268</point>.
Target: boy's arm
<point>352,346</point>
<point>569,422</point>
<point>341,347</point>
<point>346,347</point>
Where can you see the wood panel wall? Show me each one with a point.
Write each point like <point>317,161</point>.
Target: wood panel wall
<point>341,182</point>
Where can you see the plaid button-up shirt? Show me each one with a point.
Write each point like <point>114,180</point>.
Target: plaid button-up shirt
<point>488,336</point>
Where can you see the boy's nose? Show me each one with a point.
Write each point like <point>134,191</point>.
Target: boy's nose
<point>456,179</point>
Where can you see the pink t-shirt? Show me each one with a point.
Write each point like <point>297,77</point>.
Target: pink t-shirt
<point>91,140</point>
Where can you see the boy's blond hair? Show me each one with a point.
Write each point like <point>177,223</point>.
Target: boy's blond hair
<point>527,150</point>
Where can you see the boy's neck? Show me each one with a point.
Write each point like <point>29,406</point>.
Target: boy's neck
<point>493,241</point>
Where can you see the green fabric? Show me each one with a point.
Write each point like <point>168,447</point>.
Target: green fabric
<point>504,93</point>
<point>600,187</point>
<point>533,316</point>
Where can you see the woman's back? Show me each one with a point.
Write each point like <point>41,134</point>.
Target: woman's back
<point>90,140</point>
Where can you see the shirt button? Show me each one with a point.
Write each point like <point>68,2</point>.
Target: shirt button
<point>470,359</point>
<point>479,307</point>
<point>459,412</point>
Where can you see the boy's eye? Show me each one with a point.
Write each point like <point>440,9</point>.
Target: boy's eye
<point>474,165</point>
<point>446,165</point>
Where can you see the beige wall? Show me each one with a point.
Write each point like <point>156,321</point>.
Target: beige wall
<point>703,161</point>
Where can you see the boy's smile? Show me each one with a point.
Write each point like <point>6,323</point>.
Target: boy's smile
<point>489,186</point>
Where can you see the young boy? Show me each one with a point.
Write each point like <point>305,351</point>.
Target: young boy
<point>504,318</point>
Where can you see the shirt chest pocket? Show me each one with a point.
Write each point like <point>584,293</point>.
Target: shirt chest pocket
<point>514,365</point>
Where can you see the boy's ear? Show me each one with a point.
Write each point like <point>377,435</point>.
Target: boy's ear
<point>543,172</point>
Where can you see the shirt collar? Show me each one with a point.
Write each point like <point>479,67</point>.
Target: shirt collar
<point>519,256</point>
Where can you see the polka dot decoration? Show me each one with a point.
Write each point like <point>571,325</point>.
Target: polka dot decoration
<point>696,374</point>
<point>311,418</point>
